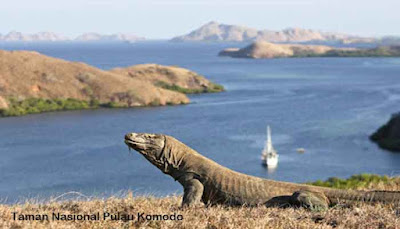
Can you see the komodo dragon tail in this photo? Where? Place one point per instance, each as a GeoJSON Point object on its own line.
{"type": "Point", "coordinates": [336, 196]}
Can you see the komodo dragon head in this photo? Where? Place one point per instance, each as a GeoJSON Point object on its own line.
{"type": "Point", "coordinates": [163, 151]}
{"type": "Point", "coordinates": [151, 146]}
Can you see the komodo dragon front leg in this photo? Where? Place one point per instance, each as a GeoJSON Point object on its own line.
{"type": "Point", "coordinates": [192, 191]}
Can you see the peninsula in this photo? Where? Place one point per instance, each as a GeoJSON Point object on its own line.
{"type": "Point", "coordinates": [33, 83]}
{"type": "Point", "coordinates": [263, 49]}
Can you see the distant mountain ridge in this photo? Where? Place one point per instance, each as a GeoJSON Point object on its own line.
{"type": "Point", "coordinates": [214, 31]}
{"type": "Point", "coordinates": [41, 36]}
{"type": "Point", "coordinates": [111, 37]}
{"type": "Point", "coordinates": [50, 36]}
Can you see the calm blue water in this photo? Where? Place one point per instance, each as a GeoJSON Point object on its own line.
{"type": "Point", "coordinates": [328, 106]}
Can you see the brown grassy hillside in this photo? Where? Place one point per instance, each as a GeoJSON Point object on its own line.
{"type": "Point", "coordinates": [29, 74]}
{"type": "Point", "coordinates": [360, 215]}
{"type": "Point", "coordinates": [170, 76]}
{"type": "Point", "coordinates": [357, 216]}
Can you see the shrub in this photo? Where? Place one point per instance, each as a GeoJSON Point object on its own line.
{"type": "Point", "coordinates": [212, 89]}
{"type": "Point", "coordinates": [39, 105]}
{"type": "Point", "coordinates": [354, 182]}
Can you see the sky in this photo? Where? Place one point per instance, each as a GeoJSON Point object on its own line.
{"type": "Point", "coordinates": [160, 19]}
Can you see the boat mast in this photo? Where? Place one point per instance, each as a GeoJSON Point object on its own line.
{"type": "Point", "coordinates": [269, 141]}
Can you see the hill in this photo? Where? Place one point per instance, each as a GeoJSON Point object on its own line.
{"type": "Point", "coordinates": [214, 31]}
{"type": "Point", "coordinates": [32, 83]}
{"type": "Point", "coordinates": [152, 212]}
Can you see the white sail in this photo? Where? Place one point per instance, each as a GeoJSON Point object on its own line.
{"type": "Point", "coordinates": [269, 155]}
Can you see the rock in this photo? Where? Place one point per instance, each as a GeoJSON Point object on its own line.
{"type": "Point", "coordinates": [388, 136]}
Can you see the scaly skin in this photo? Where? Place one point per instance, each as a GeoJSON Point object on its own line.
{"type": "Point", "coordinates": [206, 182]}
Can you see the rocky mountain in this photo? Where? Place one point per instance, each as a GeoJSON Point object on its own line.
{"type": "Point", "coordinates": [214, 31]}
{"type": "Point", "coordinates": [111, 37]}
{"type": "Point", "coordinates": [26, 75]}
{"type": "Point", "coordinates": [41, 36]}
{"type": "Point", "coordinates": [388, 136]}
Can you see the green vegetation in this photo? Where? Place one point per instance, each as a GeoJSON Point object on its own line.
{"type": "Point", "coordinates": [382, 51]}
{"type": "Point", "coordinates": [212, 89]}
{"type": "Point", "coordinates": [39, 105]}
{"type": "Point", "coordinates": [357, 181]}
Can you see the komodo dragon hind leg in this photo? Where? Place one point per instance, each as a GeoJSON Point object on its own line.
{"type": "Point", "coordinates": [192, 192]}
{"type": "Point", "coordinates": [314, 201]}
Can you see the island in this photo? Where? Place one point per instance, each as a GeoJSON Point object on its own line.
{"type": "Point", "coordinates": [263, 49]}
{"type": "Point", "coordinates": [388, 135]}
{"type": "Point", "coordinates": [33, 83]}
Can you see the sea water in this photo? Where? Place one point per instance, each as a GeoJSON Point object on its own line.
{"type": "Point", "coordinates": [328, 106]}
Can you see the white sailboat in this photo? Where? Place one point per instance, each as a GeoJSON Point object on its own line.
{"type": "Point", "coordinates": [269, 155]}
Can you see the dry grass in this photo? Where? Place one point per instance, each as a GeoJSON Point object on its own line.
{"type": "Point", "coordinates": [360, 215]}
{"type": "Point", "coordinates": [357, 216]}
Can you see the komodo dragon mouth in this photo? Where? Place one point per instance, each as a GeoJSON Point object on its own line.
{"type": "Point", "coordinates": [134, 142]}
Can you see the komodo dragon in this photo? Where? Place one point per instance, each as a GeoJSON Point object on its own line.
{"type": "Point", "coordinates": [206, 182]}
